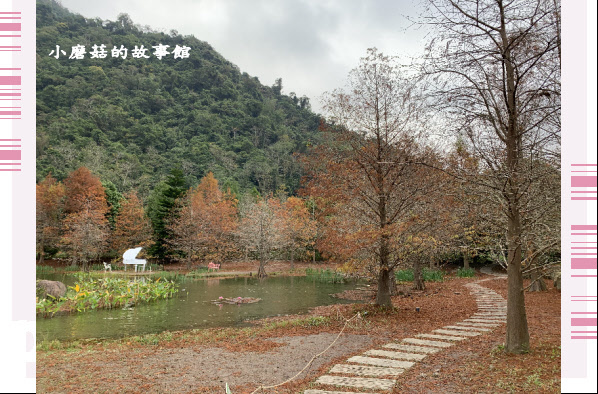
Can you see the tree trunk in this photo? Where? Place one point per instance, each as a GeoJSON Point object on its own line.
{"type": "Point", "coordinates": [538, 283]}
{"type": "Point", "coordinates": [392, 283]}
{"type": "Point", "coordinates": [418, 278]}
{"type": "Point", "coordinates": [41, 256]}
{"type": "Point", "coordinates": [517, 340]}
{"type": "Point", "coordinates": [383, 293]}
{"type": "Point", "coordinates": [261, 271]}
{"type": "Point", "coordinates": [466, 260]}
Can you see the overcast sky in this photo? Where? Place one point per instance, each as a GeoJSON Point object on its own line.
{"type": "Point", "coordinates": [310, 44]}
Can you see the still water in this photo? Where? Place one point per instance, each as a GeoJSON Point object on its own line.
{"type": "Point", "coordinates": [192, 308]}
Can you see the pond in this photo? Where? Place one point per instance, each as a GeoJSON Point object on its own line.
{"type": "Point", "coordinates": [191, 307]}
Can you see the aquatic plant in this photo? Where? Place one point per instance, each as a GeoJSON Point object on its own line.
{"type": "Point", "coordinates": [91, 293]}
{"type": "Point", "coordinates": [325, 275]}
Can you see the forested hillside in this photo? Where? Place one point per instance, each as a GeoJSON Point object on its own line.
{"type": "Point", "coordinates": [130, 121]}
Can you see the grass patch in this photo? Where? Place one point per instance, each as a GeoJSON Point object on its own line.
{"type": "Point", "coordinates": [325, 275]}
{"type": "Point", "coordinates": [199, 271]}
{"type": "Point", "coordinates": [44, 269]}
{"type": "Point", "coordinates": [310, 321]}
{"type": "Point", "coordinates": [465, 272]}
{"type": "Point", "coordinates": [428, 274]}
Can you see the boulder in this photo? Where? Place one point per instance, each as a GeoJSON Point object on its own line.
{"type": "Point", "coordinates": [45, 288]}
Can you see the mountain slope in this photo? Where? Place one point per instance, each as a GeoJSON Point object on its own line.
{"type": "Point", "coordinates": [132, 120]}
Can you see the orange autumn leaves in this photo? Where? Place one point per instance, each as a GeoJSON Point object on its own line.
{"type": "Point", "coordinates": [72, 216]}
{"type": "Point", "coordinates": [205, 223]}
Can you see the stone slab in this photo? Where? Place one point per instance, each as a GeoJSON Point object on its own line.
{"type": "Point", "coordinates": [412, 348]}
{"type": "Point", "coordinates": [466, 328]}
{"type": "Point", "coordinates": [457, 333]}
{"type": "Point", "coordinates": [469, 324]}
{"type": "Point", "coordinates": [380, 362]}
{"type": "Point", "coordinates": [441, 337]}
{"type": "Point", "coordinates": [426, 342]}
{"type": "Point", "coordinates": [489, 316]}
{"type": "Point", "coordinates": [365, 371]}
{"type": "Point", "coordinates": [499, 313]}
{"type": "Point", "coordinates": [331, 392]}
{"type": "Point", "coordinates": [366, 383]}
{"type": "Point", "coordinates": [399, 355]}
{"type": "Point", "coordinates": [485, 320]}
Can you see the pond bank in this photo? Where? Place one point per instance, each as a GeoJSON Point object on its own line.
{"type": "Point", "coordinates": [221, 349]}
{"type": "Point", "coordinates": [194, 306]}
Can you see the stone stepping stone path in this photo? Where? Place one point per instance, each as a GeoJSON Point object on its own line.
{"type": "Point", "coordinates": [443, 337]}
{"type": "Point", "coordinates": [427, 342]}
{"type": "Point", "coordinates": [377, 369]}
{"type": "Point", "coordinates": [460, 333]}
{"type": "Point", "coordinates": [365, 371]}
{"type": "Point", "coordinates": [399, 355]}
{"type": "Point", "coordinates": [412, 348]}
{"type": "Point", "coordinates": [468, 328]}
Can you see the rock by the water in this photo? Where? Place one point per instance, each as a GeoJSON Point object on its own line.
{"type": "Point", "coordinates": [53, 288]}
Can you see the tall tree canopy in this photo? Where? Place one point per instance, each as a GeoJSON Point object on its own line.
{"type": "Point", "coordinates": [367, 173]}
{"type": "Point", "coordinates": [494, 68]}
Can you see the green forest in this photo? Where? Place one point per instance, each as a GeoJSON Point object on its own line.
{"type": "Point", "coordinates": [131, 121]}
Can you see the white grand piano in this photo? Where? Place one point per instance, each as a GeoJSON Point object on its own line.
{"type": "Point", "coordinates": [129, 258]}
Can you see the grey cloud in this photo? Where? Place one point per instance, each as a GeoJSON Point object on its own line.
{"type": "Point", "coordinates": [310, 44]}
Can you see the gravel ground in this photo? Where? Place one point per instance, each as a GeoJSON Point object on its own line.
{"type": "Point", "coordinates": [201, 370]}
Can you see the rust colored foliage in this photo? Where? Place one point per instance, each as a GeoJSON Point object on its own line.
{"type": "Point", "coordinates": [206, 220]}
{"type": "Point", "coordinates": [368, 177]}
{"type": "Point", "coordinates": [49, 204]}
{"type": "Point", "coordinates": [85, 226]}
{"type": "Point", "coordinates": [132, 227]}
{"type": "Point", "coordinates": [300, 227]}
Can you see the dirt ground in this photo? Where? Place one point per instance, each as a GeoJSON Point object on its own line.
{"type": "Point", "coordinates": [203, 361]}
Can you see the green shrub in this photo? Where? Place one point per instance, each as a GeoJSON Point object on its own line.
{"type": "Point", "coordinates": [429, 275]}
{"type": "Point", "coordinates": [433, 275]}
{"type": "Point", "coordinates": [404, 275]}
{"type": "Point", "coordinates": [465, 272]}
